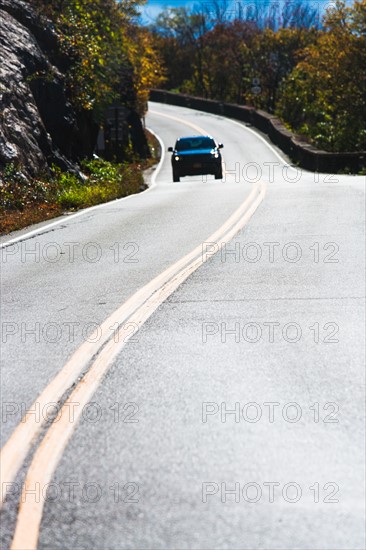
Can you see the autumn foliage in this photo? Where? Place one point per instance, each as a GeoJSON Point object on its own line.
{"type": "Point", "coordinates": [324, 97]}
{"type": "Point", "coordinates": [110, 57]}
{"type": "Point", "coordinates": [310, 72]}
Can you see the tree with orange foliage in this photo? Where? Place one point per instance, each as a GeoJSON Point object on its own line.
{"type": "Point", "coordinates": [324, 97]}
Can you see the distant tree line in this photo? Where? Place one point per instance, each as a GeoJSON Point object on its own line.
{"type": "Point", "coordinates": [307, 68]}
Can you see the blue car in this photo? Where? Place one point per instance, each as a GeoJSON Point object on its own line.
{"type": "Point", "coordinates": [196, 155]}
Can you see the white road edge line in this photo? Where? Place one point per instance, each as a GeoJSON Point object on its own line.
{"type": "Point", "coordinates": [284, 161]}
{"type": "Point", "coordinates": [161, 161]}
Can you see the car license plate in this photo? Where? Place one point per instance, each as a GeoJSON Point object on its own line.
{"type": "Point", "coordinates": [197, 165]}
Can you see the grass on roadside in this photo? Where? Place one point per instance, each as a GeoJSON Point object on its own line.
{"type": "Point", "coordinates": [103, 182]}
{"type": "Point", "coordinates": [24, 202]}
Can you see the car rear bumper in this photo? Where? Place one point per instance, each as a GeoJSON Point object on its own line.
{"type": "Point", "coordinates": [196, 168]}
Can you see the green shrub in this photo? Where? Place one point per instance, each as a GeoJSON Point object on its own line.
{"type": "Point", "coordinates": [104, 181]}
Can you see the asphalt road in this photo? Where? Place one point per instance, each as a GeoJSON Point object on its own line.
{"type": "Point", "coordinates": [235, 416]}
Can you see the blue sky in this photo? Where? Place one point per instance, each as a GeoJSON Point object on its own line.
{"type": "Point", "coordinates": [153, 7]}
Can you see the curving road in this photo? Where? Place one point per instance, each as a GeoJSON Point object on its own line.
{"type": "Point", "coordinates": [228, 411]}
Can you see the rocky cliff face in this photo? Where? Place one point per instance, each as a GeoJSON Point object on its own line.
{"type": "Point", "coordinates": [38, 125]}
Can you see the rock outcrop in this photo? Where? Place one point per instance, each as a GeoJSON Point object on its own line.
{"type": "Point", "coordinates": [38, 125]}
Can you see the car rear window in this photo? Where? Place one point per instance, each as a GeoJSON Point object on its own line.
{"type": "Point", "coordinates": [195, 143]}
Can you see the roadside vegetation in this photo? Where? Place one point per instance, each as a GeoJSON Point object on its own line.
{"type": "Point", "coordinates": [307, 68]}
{"type": "Point", "coordinates": [25, 201]}
{"type": "Point", "coordinates": [105, 58]}
{"type": "Point", "coordinates": [108, 57]}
